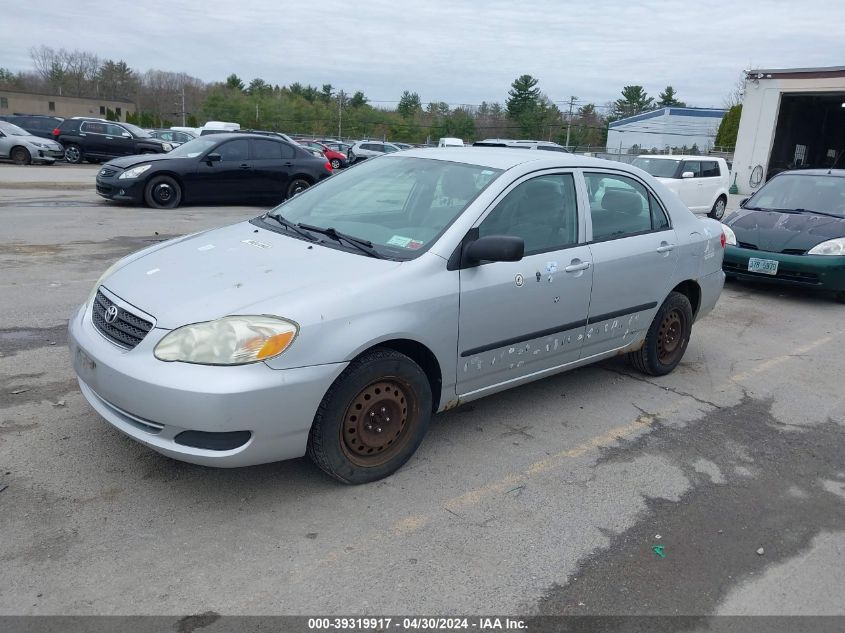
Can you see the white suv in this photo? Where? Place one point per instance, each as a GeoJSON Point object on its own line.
{"type": "Point", "coordinates": [701, 182]}
{"type": "Point", "coordinates": [368, 149]}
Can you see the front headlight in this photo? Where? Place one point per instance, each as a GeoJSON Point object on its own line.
{"type": "Point", "coordinates": [835, 246]}
{"type": "Point", "coordinates": [41, 145]}
{"type": "Point", "coordinates": [232, 340]}
{"type": "Point", "coordinates": [134, 172]}
{"type": "Point", "coordinates": [730, 236]}
{"type": "Point", "coordinates": [167, 147]}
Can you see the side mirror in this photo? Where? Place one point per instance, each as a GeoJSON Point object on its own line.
{"type": "Point", "coordinates": [687, 174]}
{"type": "Point", "coordinates": [213, 158]}
{"type": "Point", "coordinates": [742, 203]}
{"type": "Point", "coordinates": [126, 135]}
{"type": "Point", "coordinates": [495, 248]}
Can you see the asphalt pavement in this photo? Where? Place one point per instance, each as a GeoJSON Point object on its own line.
{"type": "Point", "coordinates": [717, 489]}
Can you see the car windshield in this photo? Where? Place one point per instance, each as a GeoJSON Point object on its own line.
{"type": "Point", "coordinates": [136, 130]}
{"type": "Point", "coordinates": [12, 130]}
{"type": "Point", "coordinates": [400, 205]}
{"type": "Point", "coordinates": [658, 167]}
{"type": "Point", "coordinates": [822, 193]}
{"type": "Point", "coordinates": [194, 147]}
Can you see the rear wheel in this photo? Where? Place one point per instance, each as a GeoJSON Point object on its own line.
{"type": "Point", "coordinates": [73, 154]}
{"type": "Point", "coordinates": [718, 210]}
{"type": "Point", "coordinates": [667, 337]}
{"type": "Point", "coordinates": [163, 192]}
{"type": "Point", "coordinates": [335, 163]}
{"type": "Point", "coordinates": [372, 419]}
{"type": "Point", "coordinates": [20, 156]}
{"type": "Point", "coordinates": [297, 185]}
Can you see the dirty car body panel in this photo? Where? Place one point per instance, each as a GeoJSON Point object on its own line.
{"type": "Point", "coordinates": [574, 297]}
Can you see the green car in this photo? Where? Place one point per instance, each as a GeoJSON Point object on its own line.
{"type": "Point", "coordinates": [792, 232]}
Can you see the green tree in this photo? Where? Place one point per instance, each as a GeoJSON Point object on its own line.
{"type": "Point", "coordinates": [669, 98]}
{"type": "Point", "coordinates": [523, 98]}
{"type": "Point", "coordinates": [634, 100]}
{"type": "Point", "coordinates": [729, 127]}
{"type": "Point", "coordinates": [409, 104]}
{"type": "Point", "coordinates": [235, 82]}
{"type": "Point", "coordinates": [258, 87]}
{"type": "Point", "coordinates": [327, 93]}
{"type": "Point", "coordinates": [358, 100]}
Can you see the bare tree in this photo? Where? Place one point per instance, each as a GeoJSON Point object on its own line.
{"type": "Point", "coordinates": [734, 97]}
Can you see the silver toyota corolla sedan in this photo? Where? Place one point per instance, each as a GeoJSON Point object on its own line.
{"type": "Point", "coordinates": [338, 323]}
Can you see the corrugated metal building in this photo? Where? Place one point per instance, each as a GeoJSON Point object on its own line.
{"type": "Point", "coordinates": [666, 128]}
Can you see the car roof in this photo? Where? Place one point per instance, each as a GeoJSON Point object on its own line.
{"type": "Point", "coordinates": [507, 157]}
{"type": "Point", "coordinates": [680, 157]}
{"type": "Point", "coordinates": [837, 173]}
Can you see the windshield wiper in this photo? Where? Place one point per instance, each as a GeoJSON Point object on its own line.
{"type": "Point", "coordinates": [772, 210]}
{"type": "Point", "coordinates": [365, 246]}
{"type": "Point", "coordinates": [291, 226]}
{"type": "Point", "coordinates": [830, 215]}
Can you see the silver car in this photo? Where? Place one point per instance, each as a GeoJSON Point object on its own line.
{"type": "Point", "coordinates": [338, 323]}
{"type": "Point", "coordinates": [23, 148]}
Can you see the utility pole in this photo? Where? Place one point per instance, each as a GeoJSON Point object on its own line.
{"type": "Point", "coordinates": [183, 105]}
{"type": "Point", "coordinates": [572, 101]}
{"type": "Point", "coordinates": [339, 115]}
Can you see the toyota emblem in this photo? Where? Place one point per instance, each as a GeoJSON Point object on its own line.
{"type": "Point", "coordinates": [111, 314]}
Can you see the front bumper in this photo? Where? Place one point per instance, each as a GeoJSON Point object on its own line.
{"type": "Point", "coordinates": [127, 190]}
{"type": "Point", "coordinates": [153, 401]}
{"type": "Point", "coordinates": [823, 272]}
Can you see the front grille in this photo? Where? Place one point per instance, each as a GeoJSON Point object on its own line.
{"type": "Point", "coordinates": [103, 189]}
{"type": "Point", "coordinates": [127, 329]}
{"type": "Point", "coordinates": [794, 251]}
{"type": "Point", "coordinates": [107, 172]}
{"type": "Point", "coordinates": [783, 274]}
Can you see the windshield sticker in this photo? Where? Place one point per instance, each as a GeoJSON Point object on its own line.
{"type": "Point", "coordinates": [398, 240]}
{"type": "Point", "coordinates": [415, 244]}
{"type": "Point", "coordinates": [255, 243]}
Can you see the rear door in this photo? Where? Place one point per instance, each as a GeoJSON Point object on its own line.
{"type": "Point", "coordinates": [711, 183]}
{"type": "Point", "coordinates": [634, 252]}
{"type": "Point", "coordinates": [92, 138]}
{"type": "Point", "coordinates": [526, 317]}
{"type": "Point", "coordinates": [692, 189]}
{"type": "Point", "coordinates": [272, 162]}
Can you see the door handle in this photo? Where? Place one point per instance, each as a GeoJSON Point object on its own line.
{"type": "Point", "coordinates": [288, 164]}
{"type": "Point", "coordinates": [665, 248]}
{"type": "Point", "coordinates": [244, 166]}
{"type": "Point", "coordinates": [577, 265]}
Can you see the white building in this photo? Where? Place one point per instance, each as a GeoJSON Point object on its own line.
{"type": "Point", "coordinates": [791, 118]}
{"type": "Point", "coordinates": [666, 128]}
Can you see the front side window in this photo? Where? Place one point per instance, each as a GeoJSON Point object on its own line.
{"type": "Point", "coordinates": [620, 206]}
{"type": "Point", "coordinates": [237, 150]}
{"type": "Point", "coordinates": [400, 205]}
{"type": "Point", "coordinates": [115, 130]}
{"type": "Point", "coordinates": [694, 166]}
{"type": "Point", "coordinates": [542, 211]}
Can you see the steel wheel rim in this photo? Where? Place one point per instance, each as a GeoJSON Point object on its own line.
{"type": "Point", "coordinates": [377, 423]}
{"type": "Point", "coordinates": [163, 193]}
{"type": "Point", "coordinates": [298, 187]}
{"type": "Point", "coordinates": [670, 337]}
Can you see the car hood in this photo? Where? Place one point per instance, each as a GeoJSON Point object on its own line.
{"type": "Point", "coordinates": [237, 269]}
{"type": "Point", "coordinates": [122, 162]}
{"type": "Point", "coordinates": [777, 232]}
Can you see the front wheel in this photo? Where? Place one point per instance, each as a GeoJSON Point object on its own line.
{"type": "Point", "coordinates": [163, 192]}
{"type": "Point", "coordinates": [372, 418]}
{"type": "Point", "coordinates": [298, 185]}
{"type": "Point", "coordinates": [20, 156]}
{"type": "Point", "coordinates": [667, 337]}
{"type": "Point", "coordinates": [73, 154]}
{"type": "Point", "coordinates": [718, 210]}
{"type": "Point", "coordinates": [335, 163]}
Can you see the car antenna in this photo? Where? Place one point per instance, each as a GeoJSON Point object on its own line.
{"type": "Point", "coordinates": [835, 162]}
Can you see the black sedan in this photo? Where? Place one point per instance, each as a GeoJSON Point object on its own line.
{"type": "Point", "coordinates": [792, 231]}
{"type": "Point", "coordinates": [223, 168]}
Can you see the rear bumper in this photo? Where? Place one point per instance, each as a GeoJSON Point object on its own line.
{"type": "Point", "coordinates": [807, 271]}
{"type": "Point", "coordinates": [711, 288]}
{"type": "Point", "coordinates": [154, 402]}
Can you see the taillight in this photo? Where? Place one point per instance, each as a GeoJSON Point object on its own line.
{"type": "Point", "coordinates": [328, 166]}
{"type": "Point", "coordinates": [722, 239]}
{"type": "Point", "coordinates": [55, 131]}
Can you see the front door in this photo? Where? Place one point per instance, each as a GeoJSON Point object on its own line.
{"type": "Point", "coordinates": [526, 317]}
{"type": "Point", "coordinates": [634, 253]}
{"type": "Point", "coordinates": [230, 178]}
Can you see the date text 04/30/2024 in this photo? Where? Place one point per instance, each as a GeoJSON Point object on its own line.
{"type": "Point", "coordinates": [417, 623]}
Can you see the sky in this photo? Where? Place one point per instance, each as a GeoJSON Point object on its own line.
{"type": "Point", "coordinates": [457, 51]}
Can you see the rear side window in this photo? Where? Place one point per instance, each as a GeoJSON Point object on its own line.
{"type": "Point", "coordinates": [265, 150]}
{"type": "Point", "coordinates": [659, 221]}
{"type": "Point", "coordinates": [93, 127]}
{"type": "Point", "coordinates": [710, 169]}
{"type": "Point", "coordinates": [619, 206]}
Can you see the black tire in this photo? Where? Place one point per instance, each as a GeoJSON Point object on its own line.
{"type": "Point", "coordinates": [73, 154]}
{"type": "Point", "coordinates": [353, 438]}
{"type": "Point", "coordinates": [162, 192]}
{"type": "Point", "coordinates": [718, 210]}
{"type": "Point", "coordinates": [20, 156]}
{"type": "Point", "coordinates": [297, 185]}
{"type": "Point", "coordinates": [667, 338]}
{"type": "Point", "coordinates": [335, 162]}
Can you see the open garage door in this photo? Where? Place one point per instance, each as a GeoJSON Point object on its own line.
{"type": "Point", "coordinates": [810, 132]}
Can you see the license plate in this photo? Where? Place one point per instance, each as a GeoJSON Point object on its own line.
{"type": "Point", "coordinates": [764, 266]}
